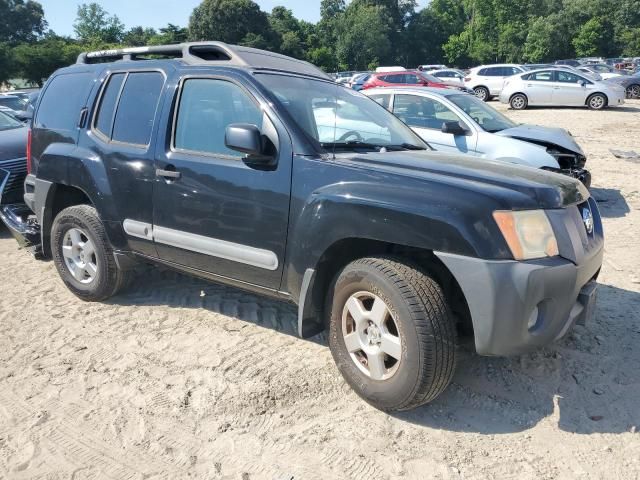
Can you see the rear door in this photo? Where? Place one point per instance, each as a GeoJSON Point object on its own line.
{"type": "Point", "coordinates": [219, 213]}
{"type": "Point", "coordinates": [539, 87]}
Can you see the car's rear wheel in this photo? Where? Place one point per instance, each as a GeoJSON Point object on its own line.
{"type": "Point", "coordinates": [597, 101]}
{"type": "Point", "coordinates": [633, 91]}
{"type": "Point", "coordinates": [391, 333]}
{"type": "Point", "coordinates": [482, 93]}
{"type": "Point", "coordinates": [518, 101]}
{"type": "Point", "coordinates": [83, 255]}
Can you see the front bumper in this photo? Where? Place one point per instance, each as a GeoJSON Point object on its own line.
{"type": "Point", "coordinates": [22, 224]}
{"type": "Point", "coordinates": [519, 306]}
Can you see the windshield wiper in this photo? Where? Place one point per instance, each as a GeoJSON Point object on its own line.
{"type": "Point", "coordinates": [351, 144]}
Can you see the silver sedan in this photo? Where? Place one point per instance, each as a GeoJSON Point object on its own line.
{"type": "Point", "coordinates": [559, 87]}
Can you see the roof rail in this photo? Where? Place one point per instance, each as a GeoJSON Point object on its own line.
{"type": "Point", "coordinates": [207, 53]}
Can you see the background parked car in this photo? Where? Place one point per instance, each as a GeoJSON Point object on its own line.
{"type": "Point", "coordinates": [358, 81]}
{"type": "Point", "coordinates": [571, 62]}
{"type": "Point", "coordinates": [13, 158]}
{"type": "Point", "coordinates": [451, 121]}
{"type": "Point", "coordinates": [408, 77]}
{"type": "Point", "coordinates": [536, 66]}
{"type": "Point", "coordinates": [20, 107]}
{"type": "Point", "coordinates": [601, 75]}
{"type": "Point", "coordinates": [450, 75]}
{"type": "Point", "coordinates": [631, 84]}
{"type": "Point", "coordinates": [429, 68]}
{"type": "Point", "coordinates": [559, 87]}
{"type": "Point", "coordinates": [487, 80]}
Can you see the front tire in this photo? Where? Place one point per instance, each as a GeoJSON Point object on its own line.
{"type": "Point", "coordinates": [597, 101]}
{"type": "Point", "coordinates": [391, 333]}
{"type": "Point", "coordinates": [83, 255]}
{"type": "Point", "coordinates": [482, 93]}
{"type": "Point", "coordinates": [633, 91]}
{"type": "Point", "coordinates": [519, 101]}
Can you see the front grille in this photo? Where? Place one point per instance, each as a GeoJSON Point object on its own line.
{"type": "Point", "coordinates": [17, 172]}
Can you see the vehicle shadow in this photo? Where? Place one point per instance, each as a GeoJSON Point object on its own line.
{"type": "Point", "coordinates": [586, 383]}
{"type": "Point", "coordinates": [4, 231]}
{"type": "Point", "coordinates": [611, 202]}
{"type": "Point", "coordinates": [160, 286]}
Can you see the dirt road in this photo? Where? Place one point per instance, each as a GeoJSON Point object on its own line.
{"type": "Point", "coordinates": [179, 378]}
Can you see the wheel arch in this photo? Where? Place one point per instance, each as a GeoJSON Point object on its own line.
{"type": "Point", "coordinates": [317, 282]}
{"type": "Point", "coordinates": [606, 97]}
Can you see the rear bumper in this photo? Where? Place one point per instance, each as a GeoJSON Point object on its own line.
{"type": "Point", "coordinates": [22, 224]}
{"type": "Point", "coordinates": [519, 306]}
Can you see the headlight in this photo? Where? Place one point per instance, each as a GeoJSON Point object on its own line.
{"type": "Point", "coordinates": [528, 233]}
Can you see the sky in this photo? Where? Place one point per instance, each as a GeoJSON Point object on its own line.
{"type": "Point", "coordinates": [157, 13]}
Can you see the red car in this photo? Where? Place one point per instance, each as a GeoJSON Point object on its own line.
{"type": "Point", "coordinates": [413, 78]}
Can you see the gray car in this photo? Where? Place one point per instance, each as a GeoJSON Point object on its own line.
{"type": "Point", "coordinates": [456, 122]}
{"type": "Point", "coordinates": [631, 84]}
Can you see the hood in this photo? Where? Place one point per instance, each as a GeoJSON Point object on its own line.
{"type": "Point", "coordinates": [545, 135]}
{"type": "Point", "coordinates": [13, 143]}
{"type": "Point", "coordinates": [512, 186]}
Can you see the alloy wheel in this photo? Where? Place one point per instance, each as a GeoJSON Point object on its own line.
{"type": "Point", "coordinates": [371, 335]}
{"type": "Point", "coordinates": [79, 255]}
{"type": "Point", "coordinates": [596, 102]}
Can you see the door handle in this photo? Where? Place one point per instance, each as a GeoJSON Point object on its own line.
{"type": "Point", "coordinates": [172, 174]}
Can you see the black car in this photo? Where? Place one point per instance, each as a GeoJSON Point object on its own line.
{"type": "Point", "coordinates": [231, 164]}
{"type": "Point", "coordinates": [13, 158]}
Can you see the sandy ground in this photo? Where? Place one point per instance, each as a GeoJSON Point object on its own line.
{"type": "Point", "coordinates": [178, 378]}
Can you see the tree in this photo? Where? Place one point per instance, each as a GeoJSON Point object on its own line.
{"type": "Point", "coordinates": [7, 64]}
{"type": "Point", "coordinates": [21, 21]}
{"type": "Point", "coordinates": [169, 35]}
{"type": "Point", "coordinates": [94, 25]}
{"type": "Point", "coordinates": [36, 61]}
{"type": "Point", "coordinates": [138, 36]}
{"type": "Point", "coordinates": [287, 29]}
{"type": "Point", "coordinates": [595, 37]}
{"type": "Point", "coordinates": [232, 21]}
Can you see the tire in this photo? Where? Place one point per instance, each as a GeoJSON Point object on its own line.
{"type": "Point", "coordinates": [482, 93]}
{"type": "Point", "coordinates": [83, 255]}
{"type": "Point", "coordinates": [417, 327]}
{"type": "Point", "coordinates": [597, 101]}
{"type": "Point", "coordinates": [519, 101]}
{"type": "Point", "coordinates": [633, 91]}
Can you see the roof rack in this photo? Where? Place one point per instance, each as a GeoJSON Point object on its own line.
{"type": "Point", "coordinates": [207, 53]}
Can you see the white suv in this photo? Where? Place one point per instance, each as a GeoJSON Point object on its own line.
{"type": "Point", "coordinates": [487, 80]}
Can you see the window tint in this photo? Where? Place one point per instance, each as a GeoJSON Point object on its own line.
{"type": "Point", "coordinates": [546, 76]}
{"type": "Point", "coordinates": [494, 72]}
{"type": "Point", "coordinates": [411, 78]}
{"type": "Point", "coordinates": [381, 99]}
{"type": "Point", "coordinates": [206, 108]}
{"type": "Point", "coordinates": [567, 77]}
{"type": "Point", "coordinates": [399, 78]}
{"type": "Point", "coordinates": [422, 112]}
{"type": "Point", "coordinates": [137, 108]}
{"type": "Point", "coordinates": [62, 101]}
{"type": "Point", "coordinates": [482, 72]}
{"type": "Point", "coordinates": [511, 71]}
{"type": "Point", "coordinates": [104, 119]}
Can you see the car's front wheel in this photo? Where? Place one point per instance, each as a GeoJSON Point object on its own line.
{"type": "Point", "coordinates": [518, 101]}
{"type": "Point", "coordinates": [83, 255]}
{"type": "Point", "coordinates": [391, 333]}
{"type": "Point", "coordinates": [633, 91]}
{"type": "Point", "coordinates": [597, 101]}
{"type": "Point", "coordinates": [482, 93]}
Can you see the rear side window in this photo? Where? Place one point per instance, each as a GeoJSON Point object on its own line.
{"type": "Point", "coordinates": [104, 120]}
{"type": "Point", "coordinates": [62, 101]}
{"type": "Point", "coordinates": [382, 99]}
{"type": "Point", "coordinates": [128, 107]}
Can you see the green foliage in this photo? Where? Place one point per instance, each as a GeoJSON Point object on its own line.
{"type": "Point", "coordinates": [595, 37]}
{"type": "Point", "coordinates": [94, 25]}
{"type": "Point", "coordinates": [35, 61]}
{"type": "Point", "coordinates": [21, 21]}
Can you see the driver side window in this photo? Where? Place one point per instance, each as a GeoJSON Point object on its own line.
{"type": "Point", "coordinates": [422, 112]}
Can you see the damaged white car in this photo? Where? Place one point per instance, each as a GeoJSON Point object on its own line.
{"type": "Point", "coordinates": [453, 121]}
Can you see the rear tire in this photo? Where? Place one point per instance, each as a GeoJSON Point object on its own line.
{"type": "Point", "coordinates": [519, 101]}
{"type": "Point", "coordinates": [482, 93]}
{"type": "Point", "coordinates": [398, 350]}
{"type": "Point", "coordinates": [83, 255]}
{"type": "Point", "coordinates": [597, 101]}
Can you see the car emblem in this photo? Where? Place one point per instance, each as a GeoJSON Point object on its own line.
{"type": "Point", "coordinates": [587, 219]}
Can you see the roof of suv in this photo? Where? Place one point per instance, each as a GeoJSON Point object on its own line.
{"type": "Point", "coordinates": [210, 54]}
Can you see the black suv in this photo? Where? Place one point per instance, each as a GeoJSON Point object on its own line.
{"type": "Point", "coordinates": [255, 169]}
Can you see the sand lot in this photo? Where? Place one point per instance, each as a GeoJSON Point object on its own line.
{"type": "Point", "coordinates": [179, 378]}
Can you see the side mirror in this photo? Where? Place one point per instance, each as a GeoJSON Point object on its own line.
{"type": "Point", "coordinates": [582, 83]}
{"type": "Point", "coordinates": [245, 138]}
{"type": "Point", "coordinates": [453, 128]}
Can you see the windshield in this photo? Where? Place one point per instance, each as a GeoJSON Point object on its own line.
{"type": "Point", "coordinates": [489, 119]}
{"type": "Point", "coordinates": [7, 122]}
{"type": "Point", "coordinates": [14, 103]}
{"type": "Point", "coordinates": [334, 117]}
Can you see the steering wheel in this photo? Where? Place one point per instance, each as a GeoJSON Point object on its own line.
{"type": "Point", "coordinates": [351, 133]}
{"type": "Point", "coordinates": [477, 120]}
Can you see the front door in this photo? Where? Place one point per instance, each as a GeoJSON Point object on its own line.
{"type": "Point", "coordinates": [569, 89]}
{"type": "Point", "coordinates": [213, 210]}
{"type": "Point", "coordinates": [426, 115]}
